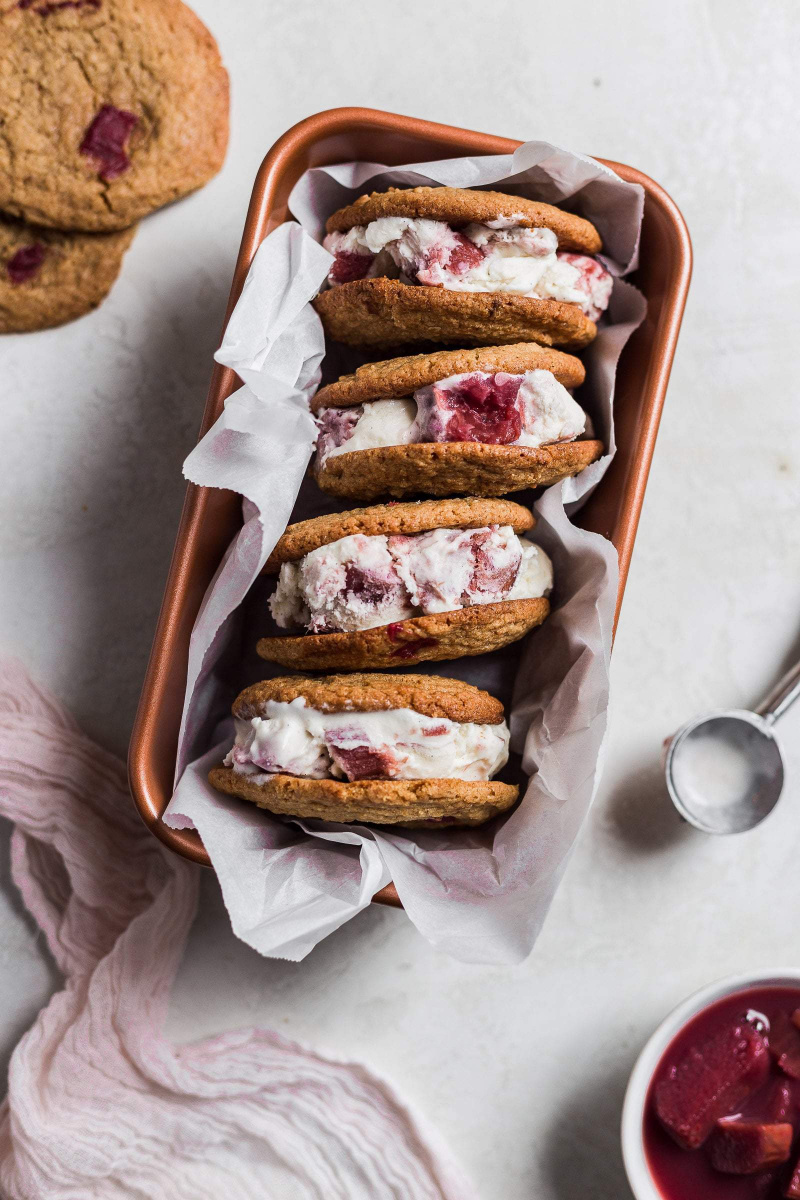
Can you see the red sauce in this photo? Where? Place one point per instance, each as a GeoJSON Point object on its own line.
{"type": "Point", "coordinates": [688, 1174]}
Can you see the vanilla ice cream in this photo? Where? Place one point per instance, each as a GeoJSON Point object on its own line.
{"type": "Point", "coordinates": [294, 739]}
{"type": "Point", "coordinates": [365, 426]}
{"type": "Point", "coordinates": [480, 258]}
{"type": "Point", "coordinates": [531, 409]}
{"type": "Point", "coordinates": [364, 581]}
{"type": "Point", "coordinates": [347, 585]}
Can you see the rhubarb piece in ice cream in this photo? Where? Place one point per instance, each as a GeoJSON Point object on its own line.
{"type": "Point", "coordinates": [384, 423]}
{"type": "Point", "coordinates": [456, 244]}
{"type": "Point", "coordinates": [413, 750]}
{"type": "Point", "coordinates": [406, 585]}
{"type": "Point", "coordinates": [710, 1081]}
{"type": "Point", "coordinates": [742, 1147]}
{"type": "Point", "coordinates": [350, 584]}
{"type": "Point", "coordinates": [380, 444]}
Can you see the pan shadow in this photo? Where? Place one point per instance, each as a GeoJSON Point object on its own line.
{"type": "Point", "coordinates": [640, 813]}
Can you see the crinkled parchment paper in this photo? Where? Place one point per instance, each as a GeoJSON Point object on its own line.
{"type": "Point", "coordinates": [482, 894]}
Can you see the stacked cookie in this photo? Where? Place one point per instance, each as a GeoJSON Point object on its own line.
{"type": "Point", "coordinates": [109, 109]}
{"type": "Point", "coordinates": [501, 281]}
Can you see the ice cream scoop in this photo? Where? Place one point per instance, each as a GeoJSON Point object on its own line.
{"type": "Point", "coordinates": [725, 771]}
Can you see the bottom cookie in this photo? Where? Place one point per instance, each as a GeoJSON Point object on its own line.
{"type": "Point", "coordinates": [452, 468]}
{"type": "Point", "coordinates": [432, 638]}
{"type": "Point", "coordinates": [48, 277]}
{"type": "Point", "coordinates": [413, 803]}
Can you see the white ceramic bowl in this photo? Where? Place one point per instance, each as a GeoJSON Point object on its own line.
{"type": "Point", "coordinates": [636, 1168]}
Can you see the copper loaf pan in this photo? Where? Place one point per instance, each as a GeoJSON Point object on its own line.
{"type": "Point", "coordinates": [212, 517]}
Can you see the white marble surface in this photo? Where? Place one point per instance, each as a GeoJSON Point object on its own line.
{"type": "Point", "coordinates": [522, 1069]}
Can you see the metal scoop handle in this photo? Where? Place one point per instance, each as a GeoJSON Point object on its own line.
{"type": "Point", "coordinates": [782, 696]}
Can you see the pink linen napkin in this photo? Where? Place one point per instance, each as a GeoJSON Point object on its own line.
{"type": "Point", "coordinates": [99, 1103]}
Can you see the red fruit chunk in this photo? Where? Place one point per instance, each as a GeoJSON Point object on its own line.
{"type": "Point", "coordinates": [336, 427]}
{"type": "Point", "coordinates": [487, 576]}
{"type": "Point", "coordinates": [361, 762]}
{"type": "Point", "coordinates": [478, 409]}
{"type": "Point", "coordinates": [710, 1081]}
{"type": "Point", "coordinates": [780, 1106]}
{"type": "Point", "coordinates": [456, 256]}
{"type": "Point", "coordinates": [25, 263]}
{"type": "Point", "coordinates": [350, 265]}
{"type": "Point", "coordinates": [793, 1187]}
{"type": "Point", "coordinates": [369, 586]}
{"type": "Point", "coordinates": [784, 1044]}
{"type": "Point", "coordinates": [464, 255]}
{"type": "Point", "coordinates": [594, 281]}
{"type": "Point", "coordinates": [745, 1147]}
{"type": "Point", "coordinates": [796, 1017]}
{"type": "Point", "coordinates": [409, 648]}
{"type": "Point", "coordinates": [105, 140]}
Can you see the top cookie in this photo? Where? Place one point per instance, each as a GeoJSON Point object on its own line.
{"type": "Point", "coordinates": [460, 206]}
{"type": "Point", "coordinates": [416, 516]}
{"type": "Point", "coordinates": [431, 695]}
{"type": "Point", "coordinates": [396, 377]}
{"type": "Point", "coordinates": [110, 109]}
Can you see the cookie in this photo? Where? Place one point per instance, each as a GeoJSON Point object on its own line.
{"type": "Point", "coordinates": [277, 754]}
{"type": "Point", "coordinates": [413, 803]}
{"type": "Point", "coordinates": [448, 468]}
{"type": "Point", "coordinates": [304, 536]}
{"type": "Point", "coordinates": [383, 312]}
{"type": "Point", "coordinates": [431, 695]}
{"type": "Point", "coordinates": [436, 637]}
{"type": "Point", "coordinates": [110, 109]}
{"type": "Point", "coordinates": [48, 277]}
{"type": "Point", "coordinates": [460, 206]}
{"type": "Point", "coordinates": [397, 377]}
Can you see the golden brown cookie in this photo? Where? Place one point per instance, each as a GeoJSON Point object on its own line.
{"type": "Point", "coordinates": [397, 377]}
{"type": "Point", "coordinates": [447, 468]}
{"type": "Point", "coordinates": [432, 638]}
{"type": "Point", "coordinates": [110, 109]}
{"type": "Point", "coordinates": [416, 517]}
{"type": "Point", "coordinates": [431, 695]}
{"type": "Point", "coordinates": [384, 312]}
{"type": "Point", "coordinates": [460, 206]}
{"type": "Point", "coordinates": [48, 277]}
{"type": "Point", "coordinates": [414, 803]}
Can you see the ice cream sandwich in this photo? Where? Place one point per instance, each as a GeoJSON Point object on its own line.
{"type": "Point", "coordinates": [413, 750]}
{"type": "Point", "coordinates": [484, 422]}
{"type": "Point", "coordinates": [399, 584]}
{"type": "Point", "coordinates": [440, 264]}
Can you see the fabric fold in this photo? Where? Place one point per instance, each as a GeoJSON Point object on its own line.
{"type": "Point", "coordinates": [100, 1105]}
